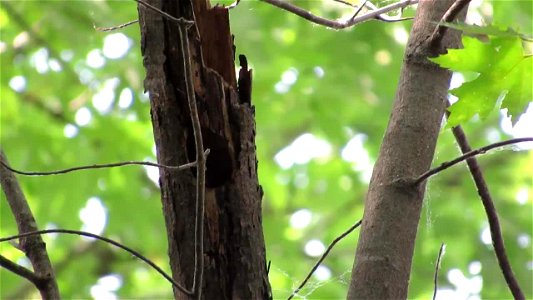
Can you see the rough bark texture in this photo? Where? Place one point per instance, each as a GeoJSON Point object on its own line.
{"type": "Point", "coordinates": [234, 251]}
{"type": "Point", "coordinates": [393, 203]}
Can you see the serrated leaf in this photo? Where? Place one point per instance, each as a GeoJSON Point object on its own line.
{"type": "Point", "coordinates": [472, 58]}
{"type": "Point", "coordinates": [475, 97]}
{"type": "Point", "coordinates": [504, 73]}
{"type": "Point", "coordinates": [519, 84]}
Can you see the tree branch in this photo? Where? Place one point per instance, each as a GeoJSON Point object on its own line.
{"type": "Point", "coordinates": [107, 240]}
{"type": "Point", "coordinates": [33, 247]}
{"type": "Point", "coordinates": [200, 170]}
{"type": "Point", "coordinates": [375, 14]}
{"type": "Point", "coordinates": [437, 267]}
{"type": "Point", "coordinates": [469, 154]}
{"type": "Point", "coordinates": [100, 166]}
{"type": "Point", "coordinates": [490, 210]}
{"type": "Point", "coordinates": [317, 264]}
{"type": "Point", "coordinates": [21, 271]}
{"type": "Point", "coordinates": [112, 28]}
{"type": "Point", "coordinates": [449, 16]}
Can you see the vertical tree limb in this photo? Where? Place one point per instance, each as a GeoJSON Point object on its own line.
{"type": "Point", "coordinates": [393, 203]}
{"type": "Point", "coordinates": [33, 246]}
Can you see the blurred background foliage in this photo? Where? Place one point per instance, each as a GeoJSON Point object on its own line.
{"type": "Point", "coordinates": [72, 95]}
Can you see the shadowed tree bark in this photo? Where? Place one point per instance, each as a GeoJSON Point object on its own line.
{"type": "Point", "coordinates": [234, 250]}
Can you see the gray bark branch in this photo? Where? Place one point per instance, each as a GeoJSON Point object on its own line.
{"type": "Point", "coordinates": [33, 246]}
{"type": "Point", "coordinates": [392, 208]}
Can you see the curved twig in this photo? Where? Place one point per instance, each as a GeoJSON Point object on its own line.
{"type": "Point", "coordinates": [374, 14]}
{"type": "Point", "coordinates": [100, 166]}
{"type": "Point", "coordinates": [317, 264]}
{"type": "Point", "coordinates": [200, 170]}
{"type": "Point", "coordinates": [112, 28]}
{"type": "Point", "coordinates": [437, 267]}
{"type": "Point", "coordinates": [107, 240]}
{"type": "Point", "coordinates": [492, 215]}
{"type": "Point", "coordinates": [469, 155]}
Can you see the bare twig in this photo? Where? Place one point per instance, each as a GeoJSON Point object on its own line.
{"type": "Point", "coordinates": [33, 247]}
{"type": "Point", "coordinates": [101, 166]}
{"type": "Point", "coordinates": [116, 27]}
{"type": "Point", "coordinates": [371, 6]}
{"type": "Point", "coordinates": [437, 267]}
{"type": "Point", "coordinates": [21, 271]}
{"type": "Point", "coordinates": [358, 11]}
{"type": "Point", "coordinates": [375, 14]}
{"type": "Point", "coordinates": [469, 155]}
{"type": "Point", "coordinates": [492, 215]}
{"type": "Point", "coordinates": [200, 170]}
{"type": "Point", "coordinates": [317, 264]}
{"type": "Point", "coordinates": [449, 16]}
{"type": "Point", "coordinates": [107, 240]}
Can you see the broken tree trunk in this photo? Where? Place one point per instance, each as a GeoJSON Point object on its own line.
{"type": "Point", "coordinates": [234, 250]}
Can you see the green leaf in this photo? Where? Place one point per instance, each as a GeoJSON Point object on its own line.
{"type": "Point", "coordinates": [518, 82]}
{"type": "Point", "coordinates": [473, 57]}
{"type": "Point", "coordinates": [504, 73]}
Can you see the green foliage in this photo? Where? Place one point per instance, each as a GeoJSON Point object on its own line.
{"type": "Point", "coordinates": [342, 94]}
{"type": "Point", "coordinates": [503, 72]}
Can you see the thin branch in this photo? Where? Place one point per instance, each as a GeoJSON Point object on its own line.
{"type": "Point", "coordinates": [200, 170]}
{"type": "Point", "coordinates": [107, 240]}
{"type": "Point", "coordinates": [116, 27]}
{"type": "Point", "coordinates": [386, 18]}
{"type": "Point", "coordinates": [375, 14]}
{"type": "Point", "coordinates": [358, 11]}
{"type": "Point", "coordinates": [23, 291]}
{"type": "Point", "coordinates": [492, 215]}
{"type": "Point", "coordinates": [468, 155]}
{"type": "Point", "coordinates": [449, 16]}
{"type": "Point", "coordinates": [345, 3]}
{"type": "Point", "coordinates": [21, 271]}
{"type": "Point", "coordinates": [437, 266]}
{"type": "Point", "coordinates": [317, 264]}
{"type": "Point", "coordinates": [101, 166]}
{"type": "Point", "coordinates": [33, 247]}
{"type": "Point", "coordinates": [371, 6]}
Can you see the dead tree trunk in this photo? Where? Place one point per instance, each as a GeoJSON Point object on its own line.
{"type": "Point", "coordinates": [234, 250]}
{"type": "Point", "coordinates": [393, 203]}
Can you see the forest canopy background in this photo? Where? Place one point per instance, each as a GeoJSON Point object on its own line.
{"type": "Point", "coordinates": [71, 95]}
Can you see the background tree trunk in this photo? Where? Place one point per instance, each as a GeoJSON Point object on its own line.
{"type": "Point", "coordinates": [234, 250]}
{"type": "Point", "coordinates": [393, 203]}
